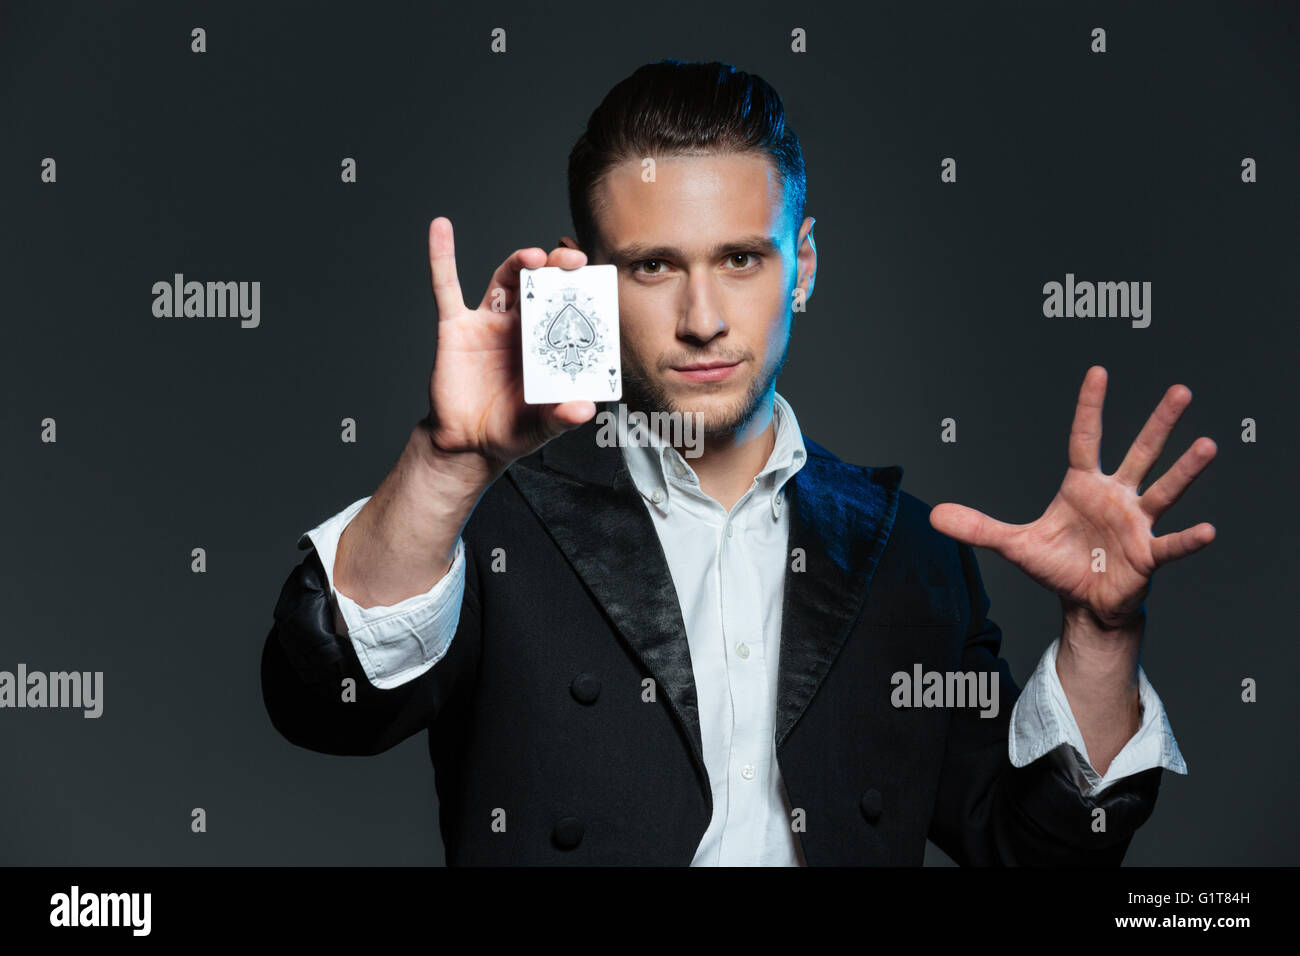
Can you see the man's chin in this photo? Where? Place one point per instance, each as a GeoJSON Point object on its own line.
{"type": "Point", "coordinates": [720, 410]}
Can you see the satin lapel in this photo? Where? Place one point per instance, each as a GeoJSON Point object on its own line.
{"type": "Point", "coordinates": [841, 516]}
{"type": "Point", "coordinates": [584, 496]}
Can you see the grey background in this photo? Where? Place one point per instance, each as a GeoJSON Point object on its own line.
{"type": "Point", "coordinates": [225, 166]}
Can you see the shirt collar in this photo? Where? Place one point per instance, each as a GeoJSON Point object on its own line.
{"type": "Point", "coordinates": [655, 465]}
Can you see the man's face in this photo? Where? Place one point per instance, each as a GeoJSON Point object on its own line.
{"type": "Point", "coordinates": [707, 267]}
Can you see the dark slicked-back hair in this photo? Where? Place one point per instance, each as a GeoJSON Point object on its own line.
{"type": "Point", "coordinates": [670, 107]}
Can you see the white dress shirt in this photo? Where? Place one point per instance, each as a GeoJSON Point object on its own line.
{"type": "Point", "coordinates": [728, 570]}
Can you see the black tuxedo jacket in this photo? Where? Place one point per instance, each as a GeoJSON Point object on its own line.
{"type": "Point", "coordinates": [537, 717]}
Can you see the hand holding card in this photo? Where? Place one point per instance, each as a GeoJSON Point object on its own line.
{"type": "Point", "coordinates": [477, 412]}
{"type": "Point", "coordinates": [569, 331]}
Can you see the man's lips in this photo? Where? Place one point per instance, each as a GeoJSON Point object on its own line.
{"type": "Point", "coordinates": [707, 371]}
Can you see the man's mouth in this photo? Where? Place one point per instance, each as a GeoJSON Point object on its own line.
{"type": "Point", "coordinates": [706, 371]}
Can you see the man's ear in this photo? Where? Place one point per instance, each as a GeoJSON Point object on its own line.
{"type": "Point", "coordinates": [806, 257]}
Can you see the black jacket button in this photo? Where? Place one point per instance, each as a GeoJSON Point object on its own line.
{"type": "Point", "coordinates": [872, 805]}
{"type": "Point", "coordinates": [567, 833]}
{"type": "Point", "coordinates": [585, 688]}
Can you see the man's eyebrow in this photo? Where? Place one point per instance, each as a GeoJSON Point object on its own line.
{"type": "Point", "coordinates": [637, 251]}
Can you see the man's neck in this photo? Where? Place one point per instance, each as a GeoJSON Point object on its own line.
{"type": "Point", "coordinates": [727, 466]}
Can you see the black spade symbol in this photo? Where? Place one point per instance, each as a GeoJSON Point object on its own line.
{"type": "Point", "coordinates": [572, 331]}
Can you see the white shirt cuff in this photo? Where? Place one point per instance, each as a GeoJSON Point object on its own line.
{"type": "Point", "coordinates": [394, 643]}
{"type": "Point", "coordinates": [1042, 721]}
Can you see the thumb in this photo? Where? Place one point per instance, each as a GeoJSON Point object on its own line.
{"type": "Point", "coordinates": [970, 526]}
{"type": "Point", "coordinates": [560, 418]}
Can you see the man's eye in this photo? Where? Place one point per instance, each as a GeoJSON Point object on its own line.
{"type": "Point", "coordinates": [657, 265]}
{"type": "Point", "coordinates": [747, 259]}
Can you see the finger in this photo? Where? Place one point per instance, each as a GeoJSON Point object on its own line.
{"type": "Point", "coordinates": [442, 266]}
{"type": "Point", "coordinates": [503, 289]}
{"type": "Point", "coordinates": [1146, 448]}
{"type": "Point", "coordinates": [559, 418]}
{"type": "Point", "coordinates": [566, 258]}
{"type": "Point", "coordinates": [1085, 432]}
{"type": "Point", "coordinates": [1179, 544]}
{"type": "Point", "coordinates": [573, 413]}
{"type": "Point", "coordinates": [1160, 497]}
{"type": "Point", "coordinates": [970, 526]}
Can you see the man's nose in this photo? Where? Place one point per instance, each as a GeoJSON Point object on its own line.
{"type": "Point", "coordinates": [702, 314]}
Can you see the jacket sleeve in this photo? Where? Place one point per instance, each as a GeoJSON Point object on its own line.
{"type": "Point", "coordinates": [991, 813]}
{"type": "Point", "coordinates": [305, 665]}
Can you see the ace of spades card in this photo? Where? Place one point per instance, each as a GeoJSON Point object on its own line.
{"type": "Point", "coordinates": [569, 324]}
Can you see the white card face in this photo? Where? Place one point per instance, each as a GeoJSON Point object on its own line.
{"type": "Point", "coordinates": [570, 334]}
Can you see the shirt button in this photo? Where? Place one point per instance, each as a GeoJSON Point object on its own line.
{"type": "Point", "coordinates": [747, 771]}
{"type": "Point", "coordinates": [742, 649]}
{"type": "Point", "coordinates": [657, 497]}
{"type": "Point", "coordinates": [778, 497]}
{"type": "Point", "coordinates": [729, 531]}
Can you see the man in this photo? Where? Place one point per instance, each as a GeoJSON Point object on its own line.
{"type": "Point", "coordinates": [625, 656]}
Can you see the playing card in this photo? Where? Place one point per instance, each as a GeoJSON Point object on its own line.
{"type": "Point", "coordinates": [570, 334]}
